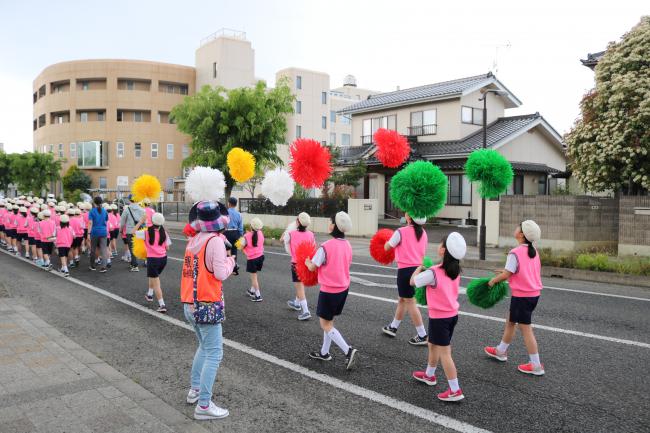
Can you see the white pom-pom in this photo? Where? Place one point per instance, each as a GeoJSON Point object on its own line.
{"type": "Point", "coordinates": [205, 183]}
{"type": "Point", "coordinates": [277, 186]}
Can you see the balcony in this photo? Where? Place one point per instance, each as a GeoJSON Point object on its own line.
{"type": "Point", "coordinates": [366, 139]}
{"type": "Point", "coordinates": [431, 129]}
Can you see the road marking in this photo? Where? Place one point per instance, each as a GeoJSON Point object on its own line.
{"type": "Point", "coordinates": [359, 391]}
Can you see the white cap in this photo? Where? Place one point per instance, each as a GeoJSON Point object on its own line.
{"type": "Point", "coordinates": [419, 221]}
{"type": "Point", "coordinates": [22, 209]}
{"type": "Point", "coordinates": [40, 201]}
{"type": "Point", "coordinates": [304, 219]}
{"type": "Point", "coordinates": [60, 208]}
{"type": "Point", "coordinates": [43, 206]}
{"type": "Point", "coordinates": [343, 221]}
{"type": "Point", "coordinates": [34, 209]}
{"type": "Point", "coordinates": [113, 207]}
{"type": "Point", "coordinates": [64, 219]}
{"type": "Point", "coordinates": [40, 215]}
{"type": "Point", "coordinates": [256, 224]}
{"type": "Point", "coordinates": [456, 245]}
{"type": "Point", "coordinates": [77, 211]}
{"type": "Point", "coordinates": [531, 230]}
{"type": "Point", "coordinates": [146, 200]}
{"type": "Point", "coordinates": [158, 219]}
{"type": "Point", "coordinates": [63, 203]}
{"type": "Point", "coordinates": [47, 213]}
{"type": "Point", "coordinates": [70, 211]}
{"type": "Point", "coordinates": [105, 205]}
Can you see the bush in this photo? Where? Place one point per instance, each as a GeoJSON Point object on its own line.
{"type": "Point", "coordinates": [594, 262]}
{"type": "Point", "coordinates": [596, 259]}
{"type": "Point", "coordinates": [73, 196]}
{"type": "Point", "coordinates": [268, 232]}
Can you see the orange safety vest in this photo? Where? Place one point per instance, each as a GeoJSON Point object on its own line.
{"type": "Point", "coordinates": [208, 287]}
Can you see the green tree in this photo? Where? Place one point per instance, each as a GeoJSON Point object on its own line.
{"type": "Point", "coordinates": [74, 179]}
{"type": "Point", "coordinates": [219, 119]}
{"type": "Point", "coordinates": [6, 170]}
{"type": "Point", "coordinates": [609, 144]}
{"type": "Point", "coordinates": [33, 171]}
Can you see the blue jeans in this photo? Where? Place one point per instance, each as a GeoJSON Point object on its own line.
{"type": "Point", "coordinates": [207, 358]}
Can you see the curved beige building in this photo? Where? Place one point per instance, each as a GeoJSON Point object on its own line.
{"type": "Point", "coordinates": [111, 118]}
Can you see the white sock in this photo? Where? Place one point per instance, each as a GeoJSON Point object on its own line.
{"type": "Point", "coordinates": [534, 359]}
{"type": "Point", "coordinates": [395, 323]}
{"type": "Point", "coordinates": [303, 305]}
{"type": "Point", "coordinates": [65, 269]}
{"type": "Point", "coordinates": [421, 331]}
{"type": "Point", "coordinates": [327, 342]}
{"type": "Point", "coordinates": [337, 338]}
{"type": "Point", "coordinates": [150, 292]}
{"type": "Point", "coordinates": [430, 371]}
{"type": "Point", "coordinates": [257, 292]}
{"type": "Point", "coordinates": [502, 347]}
{"type": "Point", "coordinates": [161, 302]}
{"type": "Point", "coordinates": [296, 301]}
{"type": "Point", "coordinates": [453, 384]}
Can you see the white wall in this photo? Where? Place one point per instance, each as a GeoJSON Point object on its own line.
{"type": "Point", "coordinates": [235, 60]}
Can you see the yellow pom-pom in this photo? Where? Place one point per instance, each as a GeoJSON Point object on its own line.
{"type": "Point", "coordinates": [241, 164]}
{"type": "Point", "coordinates": [139, 249]}
{"type": "Point", "coordinates": [238, 244]}
{"type": "Point", "coordinates": [146, 186]}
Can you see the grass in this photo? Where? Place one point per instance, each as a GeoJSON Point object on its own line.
{"type": "Point", "coordinates": [602, 260]}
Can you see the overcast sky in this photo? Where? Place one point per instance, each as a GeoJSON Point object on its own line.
{"type": "Point", "coordinates": [383, 43]}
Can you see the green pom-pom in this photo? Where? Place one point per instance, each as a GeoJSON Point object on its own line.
{"type": "Point", "coordinates": [491, 170]}
{"type": "Point", "coordinates": [419, 189]}
{"type": "Point", "coordinates": [427, 262]}
{"type": "Point", "coordinates": [421, 295]}
{"type": "Point", "coordinates": [484, 296]}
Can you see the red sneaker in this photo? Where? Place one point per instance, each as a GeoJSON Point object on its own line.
{"type": "Point", "coordinates": [529, 368]}
{"type": "Point", "coordinates": [492, 353]}
{"type": "Point", "coordinates": [422, 377]}
{"type": "Point", "coordinates": [451, 396]}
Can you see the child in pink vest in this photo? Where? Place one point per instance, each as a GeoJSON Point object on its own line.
{"type": "Point", "coordinates": [442, 283]}
{"type": "Point", "coordinates": [32, 232]}
{"type": "Point", "coordinates": [253, 247]}
{"type": "Point", "coordinates": [410, 244]}
{"type": "Point", "coordinates": [156, 243]}
{"type": "Point", "coordinates": [333, 260]}
{"type": "Point", "coordinates": [3, 212]}
{"type": "Point", "coordinates": [523, 272]}
{"type": "Point", "coordinates": [64, 242]}
{"type": "Point", "coordinates": [296, 234]}
{"type": "Point", "coordinates": [47, 228]}
{"type": "Point", "coordinates": [76, 226]}
{"type": "Point", "coordinates": [113, 228]}
{"type": "Point", "coordinates": [21, 231]}
{"type": "Point", "coordinates": [10, 227]}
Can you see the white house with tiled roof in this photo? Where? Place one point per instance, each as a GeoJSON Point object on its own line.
{"type": "Point", "coordinates": [443, 122]}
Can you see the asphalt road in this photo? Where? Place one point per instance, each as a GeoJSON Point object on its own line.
{"type": "Point", "coordinates": [595, 348]}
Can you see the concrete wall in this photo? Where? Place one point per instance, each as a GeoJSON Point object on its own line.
{"type": "Point", "coordinates": [533, 146]}
{"type": "Point", "coordinates": [235, 59]}
{"type": "Point", "coordinates": [634, 226]}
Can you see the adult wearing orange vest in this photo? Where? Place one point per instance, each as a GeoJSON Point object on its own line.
{"type": "Point", "coordinates": [206, 265]}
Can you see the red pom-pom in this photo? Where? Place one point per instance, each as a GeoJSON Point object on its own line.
{"type": "Point", "coordinates": [392, 148]}
{"type": "Point", "coordinates": [310, 164]}
{"type": "Point", "coordinates": [306, 250]}
{"type": "Point", "coordinates": [189, 231]}
{"type": "Point", "coordinates": [377, 250]}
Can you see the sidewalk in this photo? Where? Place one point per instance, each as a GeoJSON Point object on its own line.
{"type": "Point", "coordinates": [48, 383]}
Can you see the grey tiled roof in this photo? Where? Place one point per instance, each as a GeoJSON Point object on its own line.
{"type": "Point", "coordinates": [592, 59]}
{"type": "Point", "coordinates": [531, 167]}
{"type": "Point", "coordinates": [446, 88]}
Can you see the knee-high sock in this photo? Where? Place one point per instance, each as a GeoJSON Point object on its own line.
{"type": "Point", "coordinates": [337, 338]}
{"type": "Point", "coordinates": [327, 342]}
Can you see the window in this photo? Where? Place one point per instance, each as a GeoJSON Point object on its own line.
{"type": "Point", "coordinates": [459, 190]}
{"type": "Point", "coordinates": [73, 151]}
{"type": "Point", "coordinates": [214, 70]}
{"type": "Point", "coordinates": [345, 120]}
{"type": "Point", "coordinates": [298, 107]}
{"type": "Point", "coordinates": [541, 185]}
{"type": "Point", "coordinates": [137, 116]}
{"type": "Point", "coordinates": [367, 133]}
{"type": "Point", "coordinates": [370, 126]}
{"type": "Point", "coordinates": [100, 116]}
{"type": "Point", "coordinates": [298, 131]}
{"type": "Point", "coordinates": [183, 89]}
{"type": "Point", "coordinates": [423, 123]}
{"type": "Point", "coordinates": [50, 148]}
{"type": "Point", "coordinates": [41, 120]}
{"type": "Point", "coordinates": [298, 82]}
{"type": "Point", "coordinates": [85, 85]}
{"type": "Point", "coordinates": [170, 88]}
{"type": "Point", "coordinates": [332, 116]}
{"type": "Point", "coordinates": [517, 187]}
{"type": "Point", "coordinates": [323, 122]}
{"type": "Point", "coordinates": [345, 139]}
{"type": "Point", "coordinates": [138, 150]}
{"type": "Point", "coordinates": [83, 116]}
{"type": "Point", "coordinates": [332, 138]}
{"type": "Point", "coordinates": [323, 97]}
{"type": "Point", "coordinates": [154, 150]}
{"type": "Point", "coordinates": [120, 149]}
{"type": "Point", "coordinates": [102, 183]}
{"type": "Point", "coordinates": [122, 182]}
{"type": "Point", "coordinates": [92, 154]}
{"type": "Point", "coordinates": [170, 151]}
{"type": "Point", "coordinates": [471, 115]}
{"type": "Point", "coordinates": [323, 143]}
{"type": "Point", "coordinates": [119, 115]}
{"type": "Point", "coordinates": [60, 150]}
{"type": "Point", "coordinates": [58, 119]}
{"type": "Point", "coordinates": [186, 151]}
{"type": "Point", "coordinates": [130, 85]}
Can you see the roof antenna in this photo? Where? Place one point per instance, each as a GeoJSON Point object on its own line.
{"type": "Point", "coordinates": [495, 62]}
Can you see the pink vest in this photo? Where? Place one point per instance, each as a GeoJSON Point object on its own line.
{"type": "Point", "coordinates": [334, 275]}
{"type": "Point", "coordinates": [75, 226]}
{"type": "Point", "coordinates": [251, 251]}
{"type": "Point", "coordinates": [442, 300]}
{"type": "Point", "coordinates": [149, 213]}
{"type": "Point", "coordinates": [64, 237]}
{"type": "Point", "coordinates": [410, 251]}
{"type": "Point", "coordinates": [155, 250]}
{"type": "Point", "coordinates": [21, 221]}
{"type": "Point", "coordinates": [47, 228]}
{"type": "Point", "coordinates": [527, 281]}
{"type": "Point", "coordinates": [296, 238]}
{"type": "Point", "coordinates": [10, 221]}
{"type": "Point", "coordinates": [56, 218]}
{"type": "Point", "coordinates": [34, 229]}
{"type": "Point", "coordinates": [84, 216]}
{"type": "Point", "coordinates": [3, 212]}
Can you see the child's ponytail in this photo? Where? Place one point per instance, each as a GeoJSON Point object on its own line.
{"type": "Point", "coordinates": [254, 239]}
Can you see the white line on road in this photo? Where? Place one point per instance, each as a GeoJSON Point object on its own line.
{"type": "Point", "coordinates": [359, 391]}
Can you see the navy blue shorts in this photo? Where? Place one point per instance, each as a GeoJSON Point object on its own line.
{"type": "Point", "coordinates": [76, 242]}
{"type": "Point", "coordinates": [115, 233]}
{"type": "Point", "coordinates": [255, 265]}
{"type": "Point", "coordinates": [521, 309]}
{"type": "Point", "coordinates": [441, 330]}
{"type": "Point", "coordinates": [155, 266]}
{"type": "Point", "coordinates": [47, 247]}
{"type": "Point", "coordinates": [404, 287]}
{"type": "Point", "coordinates": [63, 251]}
{"type": "Point", "coordinates": [331, 304]}
{"type": "Point", "coordinates": [31, 241]}
{"type": "Point", "coordinates": [2, 229]}
{"type": "Point", "coordinates": [21, 236]}
{"type": "Point", "coordinates": [11, 233]}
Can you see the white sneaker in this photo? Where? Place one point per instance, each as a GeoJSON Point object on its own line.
{"type": "Point", "coordinates": [192, 396]}
{"type": "Point", "coordinates": [212, 412]}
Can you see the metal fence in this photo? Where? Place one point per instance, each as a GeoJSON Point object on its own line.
{"type": "Point", "coordinates": [315, 207]}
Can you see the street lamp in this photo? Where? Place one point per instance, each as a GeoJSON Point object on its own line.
{"type": "Point", "coordinates": [483, 98]}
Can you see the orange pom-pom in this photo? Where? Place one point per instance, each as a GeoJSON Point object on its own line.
{"type": "Point", "coordinates": [377, 250]}
{"type": "Point", "coordinates": [310, 164]}
{"type": "Point", "coordinates": [392, 148]}
{"type": "Point", "coordinates": [306, 250]}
